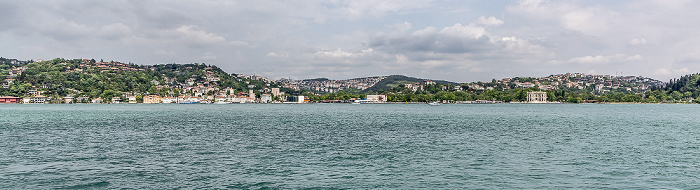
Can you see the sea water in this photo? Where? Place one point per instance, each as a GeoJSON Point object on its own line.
{"type": "Point", "coordinates": [345, 146]}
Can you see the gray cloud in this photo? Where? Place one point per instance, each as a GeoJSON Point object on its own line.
{"type": "Point", "coordinates": [450, 40]}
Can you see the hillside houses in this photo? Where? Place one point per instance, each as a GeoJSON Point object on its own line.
{"type": "Point", "coordinates": [580, 81]}
{"type": "Point", "coordinates": [330, 86]}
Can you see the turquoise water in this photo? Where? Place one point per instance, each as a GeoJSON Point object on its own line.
{"type": "Point", "coordinates": [247, 146]}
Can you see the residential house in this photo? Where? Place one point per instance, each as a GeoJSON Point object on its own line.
{"type": "Point", "coordinates": [266, 98]}
{"type": "Point", "coordinates": [27, 100]}
{"type": "Point", "coordinates": [82, 99]}
{"type": "Point", "coordinates": [132, 99]}
{"type": "Point", "coordinates": [526, 85]}
{"type": "Point", "coordinates": [68, 99]}
{"type": "Point", "coordinates": [220, 99]}
{"type": "Point", "coordinates": [39, 99]}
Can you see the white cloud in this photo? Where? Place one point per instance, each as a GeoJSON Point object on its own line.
{"type": "Point", "coordinates": [402, 27]}
{"type": "Point", "coordinates": [116, 30]}
{"type": "Point", "coordinates": [340, 53]}
{"type": "Point", "coordinates": [532, 3]}
{"type": "Point", "coordinates": [431, 38]}
{"type": "Point", "coordinates": [491, 21]}
{"type": "Point", "coordinates": [635, 57]}
{"type": "Point", "coordinates": [427, 31]}
{"type": "Point", "coordinates": [598, 59]}
{"type": "Point", "coordinates": [336, 53]}
{"type": "Point", "coordinates": [401, 59]}
{"type": "Point", "coordinates": [272, 54]}
{"type": "Point", "coordinates": [476, 70]}
{"type": "Point", "coordinates": [209, 56]}
{"type": "Point", "coordinates": [672, 72]}
{"type": "Point", "coordinates": [239, 43]}
{"type": "Point", "coordinates": [638, 41]}
{"type": "Point", "coordinates": [197, 36]}
{"type": "Point", "coordinates": [163, 52]}
{"type": "Point", "coordinates": [459, 31]}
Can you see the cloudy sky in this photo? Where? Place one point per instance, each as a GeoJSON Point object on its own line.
{"type": "Point", "coordinates": [461, 41]}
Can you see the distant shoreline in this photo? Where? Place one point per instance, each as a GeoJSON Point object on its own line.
{"type": "Point", "coordinates": [512, 103]}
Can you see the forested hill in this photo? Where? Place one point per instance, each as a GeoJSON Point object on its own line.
{"type": "Point", "coordinates": [396, 80]}
{"type": "Point", "coordinates": [689, 85]}
{"type": "Point", "coordinates": [83, 77]}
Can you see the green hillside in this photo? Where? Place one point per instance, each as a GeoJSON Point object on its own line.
{"type": "Point", "coordinates": [83, 77]}
{"type": "Point", "coordinates": [396, 80]}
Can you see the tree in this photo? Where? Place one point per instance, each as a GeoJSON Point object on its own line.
{"type": "Point", "coordinates": [676, 95]}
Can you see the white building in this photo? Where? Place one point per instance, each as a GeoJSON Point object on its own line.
{"type": "Point", "coordinates": [536, 97]}
{"type": "Point", "coordinates": [376, 98]}
{"type": "Point", "coordinates": [169, 100]}
{"type": "Point", "coordinates": [132, 99]}
{"type": "Point", "coordinates": [220, 99]}
{"type": "Point", "coordinates": [266, 98]}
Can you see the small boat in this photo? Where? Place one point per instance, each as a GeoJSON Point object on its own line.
{"type": "Point", "coordinates": [434, 103]}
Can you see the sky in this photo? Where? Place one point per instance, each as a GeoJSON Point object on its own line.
{"type": "Point", "coordinates": [455, 40]}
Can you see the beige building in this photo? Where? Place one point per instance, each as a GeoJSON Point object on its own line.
{"type": "Point", "coordinates": [536, 97]}
{"type": "Point", "coordinates": [276, 92]}
{"type": "Point", "coordinates": [151, 99]}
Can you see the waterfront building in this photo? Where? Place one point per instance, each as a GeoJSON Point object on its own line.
{"type": "Point", "coordinates": [68, 99]}
{"type": "Point", "coordinates": [266, 98]}
{"type": "Point", "coordinates": [220, 99]}
{"type": "Point", "coordinates": [295, 99]}
{"type": "Point", "coordinates": [82, 99]}
{"type": "Point", "coordinates": [376, 98]}
{"type": "Point", "coordinates": [116, 100]}
{"type": "Point", "coordinates": [169, 100]}
{"type": "Point", "coordinates": [39, 99]}
{"type": "Point", "coordinates": [536, 97]}
{"type": "Point", "coordinates": [151, 99]}
{"type": "Point", "coordinates": [10, 100]}
{"type": "Point", "coordinates": [132, 99]}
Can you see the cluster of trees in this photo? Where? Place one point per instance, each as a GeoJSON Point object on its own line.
{"type": "Point", "coordinates": [59, 77]}
{"type": "Point", "coordinates": [685, 89]}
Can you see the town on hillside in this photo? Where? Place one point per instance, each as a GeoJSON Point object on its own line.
{"type": "Point", "coordinates": [91, 81]}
